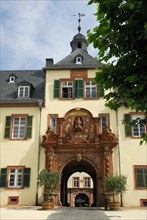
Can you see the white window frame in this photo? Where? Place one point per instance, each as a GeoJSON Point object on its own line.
{"type": "Point", "coordinates": [53, 122]}
{"type": "Point", "coordinates": [78, 60]}
{"type": "Point", "coordinates": [12, 79]}
{"type": "Point", "coordinates": [66, 85]}
{"type": "Point", "coordinates": [138, 129]}
{"type": "Point", "coordinates": [90, 87]}
{"type": "Point", "coordinates": [19, 129]}
{"type": "Point", "coordinates": [87, 182]}
{"type": "Point", "coordinates": [15, 179]}
{"type": "Point", "coordinates": [104, 121]}
{"type": "Point", "coordinates": [76, 182]}
{"type": "Point", "coordinates": [24, 91]}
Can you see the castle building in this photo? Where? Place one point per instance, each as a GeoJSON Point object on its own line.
{"type": "Point", "coordinates": [56, 118]}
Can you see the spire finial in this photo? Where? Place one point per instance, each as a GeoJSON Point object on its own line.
{"type": "Point", "coordinates": [79, 20]}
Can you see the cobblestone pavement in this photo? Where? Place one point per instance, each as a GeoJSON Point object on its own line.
{"type": "Point", "coordinates": [68, 213]}
{"type": "Point", "coordinates": [62, 213]}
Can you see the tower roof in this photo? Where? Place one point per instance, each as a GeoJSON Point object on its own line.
{"type": "Point", "coordinates": [78, 58]}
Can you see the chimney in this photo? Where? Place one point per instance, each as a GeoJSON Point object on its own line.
{"type": "Point", "coordinates": [49, 62]}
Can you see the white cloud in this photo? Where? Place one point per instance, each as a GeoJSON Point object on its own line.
{"type": "Point", "coordinates": [34, 30]}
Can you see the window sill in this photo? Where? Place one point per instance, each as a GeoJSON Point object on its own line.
{"type": "Point", "coordinates": [91, 98]}
{"type": "Point", "coordinates": [18, 139]}
{"type": "Point", "coordinates": [141, 188]}
{"type": "Point", "coordinates": [66, 99]}
{"type": "Point", "coordinates": [135, 137]}
{"type": "Point", "coordinates": [13, 188]}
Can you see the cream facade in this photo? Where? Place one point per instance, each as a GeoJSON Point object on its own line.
{"type": "Point", "coordinates": [67, 94]}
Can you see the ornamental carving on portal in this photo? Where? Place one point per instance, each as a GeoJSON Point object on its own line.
{"type": "Point", "coordinates": [49, 138]}
{"type": "Point", "coordinates": [108, 138]}
{"type": "Point", "coordinates": [78, 127]}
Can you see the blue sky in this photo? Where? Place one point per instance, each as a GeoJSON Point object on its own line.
{"type": "Point", "coordinates": [33, 30]}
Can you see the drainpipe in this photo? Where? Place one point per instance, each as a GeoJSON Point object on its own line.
{"type": "Point", "coordinates": [119, 156]}
{"type": "Point", "coordinates": [40, 102]}
{"type": "Point", "coordinates": [117, 126]}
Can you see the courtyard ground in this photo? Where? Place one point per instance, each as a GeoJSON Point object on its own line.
{"type": "Point", "coordinates": [68, 213]}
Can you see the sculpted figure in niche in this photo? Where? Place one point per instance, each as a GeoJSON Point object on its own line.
{"type": "Point", "coordinates": [78, 124]}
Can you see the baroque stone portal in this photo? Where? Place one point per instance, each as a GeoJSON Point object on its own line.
{"type": "Point", "coordinates": [79, 139]}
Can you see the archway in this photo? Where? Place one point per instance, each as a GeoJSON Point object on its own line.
{"type": "Point", "coordinates": [79, 146]}
{"type": "Point", "coordinates": [78, 166]}
{"type": "Point", "coordinates": [81, 200]}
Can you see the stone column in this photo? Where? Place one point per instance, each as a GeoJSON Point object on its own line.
{"type": "Point", "coordinates": [50, 159]}
{"type": "Point", "coordinates": [107, 163]}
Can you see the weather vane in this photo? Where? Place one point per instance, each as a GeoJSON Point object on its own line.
{"type": "Point", "coordinates": [79, 20]}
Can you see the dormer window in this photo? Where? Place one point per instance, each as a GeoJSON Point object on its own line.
{"type": "Point", "coordinates": [79, 60]}
{"type": "Point", "coordinates": [23, 91]}
{"type": "Point", "coordinates": [12, 79]}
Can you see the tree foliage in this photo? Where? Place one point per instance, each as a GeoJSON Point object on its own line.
{"type": "Point", "coordinates": [115, 184]}
{"type": "Point", "coordinates": [121, 34]}
{"type": "Point", "coordinates": [50, 180]}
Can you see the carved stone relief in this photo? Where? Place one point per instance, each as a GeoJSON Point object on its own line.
{"type": "Point", "coordinates": [78, 127]}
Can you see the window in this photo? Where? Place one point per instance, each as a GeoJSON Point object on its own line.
{"type": "Point", "coordinates": [75, 182]}
{"type": "Point", "coordinates": [13, 200]}
{"type": "Point", "coordinates": [138, 129]}
{"type": "Point", "coordinates": [90, 89]}
{"type": "Point", "coordinates": [104, 121]}
{"type": "Point", "coordinates": [53, 122]}
{"type": "Point", "coordinates": [75, 89]}
{"type": "Point", "coordinates": [12, 79]}
{"type": "Point", "coordinates": [79, 45]}
{"type": "Point", "coordinates": [18, 127]}
{"type": "Point", "coordinates": [143, 202]}
{"type": "Point", "coordinates": [67, 89]}
{"type": "Point", "coordinates": [140, 176]}
{"type": "Point", "coordinates": [87, 182]}
{"type": "Point", "coordinates": [79, 60]}
{"type": "Point", "coordinates": [23, 91]}
{"type": "Point", "coordinates": [15, 177]}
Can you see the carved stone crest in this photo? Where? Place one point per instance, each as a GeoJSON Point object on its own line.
{"type": "Point", "coordinates": [78, 127]}
{"type": "Point", "coordinates": [50, 137]}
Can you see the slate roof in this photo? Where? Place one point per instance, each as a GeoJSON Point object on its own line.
{"type": "Point", "coordinates": [68, 62]}
{"type": "Point", "coordinates": [8, 91]}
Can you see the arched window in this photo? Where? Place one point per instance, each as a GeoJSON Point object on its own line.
{"type": "Point", "coordinates": [12, 79]}
{"type": "Point", "coordinates": [79, 60]}
{"type": "Point", "coordinates": [79, 45]}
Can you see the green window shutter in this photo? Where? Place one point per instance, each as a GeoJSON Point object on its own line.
{"type": "Point", "coordinates": [56, 88]}
{"type": "Point", "coordinates": [127, 120]}
{"type": "Point", "coordinates": [100, 91]}
{"type": "Point", "coordinates": [29, 127]}
{"type": "Point", "coordinates": [7, 127]}
{"type": "Point", "coordinates": [26, 177]}
{"type": "Point", "coordinates": [139, 177]}
{"type": "Point", "coordinates": [3, 177]}
{"type": "Point", "coordinates": [79, 87]}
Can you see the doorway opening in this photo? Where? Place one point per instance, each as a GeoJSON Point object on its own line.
{"type": "Point", "coordinates": [74, 196]}
{"type": "Point", "coordinates": [81, 200]}
{"type": "Point", "coordinates": [80, 183]}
